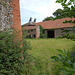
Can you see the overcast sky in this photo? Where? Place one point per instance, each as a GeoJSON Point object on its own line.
{"type": "Point", "coordinates": [38, 9]}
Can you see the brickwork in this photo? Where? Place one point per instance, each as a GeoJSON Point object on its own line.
{"type": "Point", "coordinates": [38, 32]}
{"type": "Point", "coordinates": [57, 32]}
{"type": "Point", "coordinates": [16, 17]}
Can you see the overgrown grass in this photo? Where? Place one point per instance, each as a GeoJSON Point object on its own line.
{"type": "Point", "coordinates": [42, 50]}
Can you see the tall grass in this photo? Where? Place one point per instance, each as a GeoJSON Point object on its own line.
{"type": "Point", "coordinates": [39, 62]}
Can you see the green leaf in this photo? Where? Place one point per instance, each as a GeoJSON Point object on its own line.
{"type": "Point", "coordinates": [65, 1]}
{"type": "Point", "coordinates": [64, 51]}
{"type": "Point", "coordinates": [69, 3]}
{"type": "Point", "coordinates": [72, 0]}
{"type": "Point", "coordinates": [60, 55]}
{"type": "Point", "coordinates": [59, 50]}
{"type": "Point", "coordinates": [54, 57]}
{"type": "Point", "coordinates": [69, 61]}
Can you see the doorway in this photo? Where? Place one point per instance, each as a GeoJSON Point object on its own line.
{"type": "Point", "coordinates": [50, 34]}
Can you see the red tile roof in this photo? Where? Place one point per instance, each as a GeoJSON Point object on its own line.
{"type": "Point", "coordinates": [30, 27]}
{"type": "Point", "coordinates": [56, 23]}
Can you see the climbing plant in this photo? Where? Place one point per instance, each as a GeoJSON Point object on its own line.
{"type": "Point", "coordinates": [42, 32]}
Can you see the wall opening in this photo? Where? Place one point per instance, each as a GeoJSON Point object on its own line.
{"type": "Point", "coordinates": [50, 34]}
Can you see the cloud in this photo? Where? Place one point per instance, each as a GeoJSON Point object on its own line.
{"type": "Point", "coordinates": [37, 9]}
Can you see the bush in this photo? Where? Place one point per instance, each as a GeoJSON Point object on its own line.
{"type": "Point", "coordinates": [67, 60]}
{"type": "Point", "coordinates": [11, 53]}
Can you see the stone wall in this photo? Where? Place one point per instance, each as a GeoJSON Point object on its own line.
{"type": "Point", "coordinates": [57, 32]}
{"type": "Point", "coordinates": [5, 15]}
{"type": "Point", "coordinates": [10, 16]}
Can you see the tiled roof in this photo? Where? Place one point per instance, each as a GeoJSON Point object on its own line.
{"type": "Point", "coordinates": [28, 24]}
{"type": "Point", "coordinates": [56, 23]}
{"type": "Point", "coordinates": [30, 27]}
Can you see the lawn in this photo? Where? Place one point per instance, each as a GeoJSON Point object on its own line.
{"type": "Point", "coordinates": [43, 49]}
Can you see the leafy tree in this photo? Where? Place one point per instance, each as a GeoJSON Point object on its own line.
{"type": "Point", "coordinates": [58, 12]}
{"type": "Point", "coordinates": [48, 18]}
{"type": "Point", "coordinates": [69, 7]}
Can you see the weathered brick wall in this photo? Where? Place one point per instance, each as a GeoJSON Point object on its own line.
{"type": "Point", "coordinates": [16, 17]}
{"type": "Point", "coordinates": [38, 32]}
{"type": "Point", "coordinates": [57, 32]}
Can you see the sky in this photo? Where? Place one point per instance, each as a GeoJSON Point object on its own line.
{"type": "Point", "coordinates": [39, 9]}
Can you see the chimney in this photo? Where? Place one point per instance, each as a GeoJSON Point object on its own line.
{"type": "Point", "coordinates": [34, 20]}
{"type": "Point", "coordinates": [30, 20]}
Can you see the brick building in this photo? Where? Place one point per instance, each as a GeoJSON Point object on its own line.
{"type": "Point", "coordinates": [52, 29]}
{"type": "Point", "coordinates": [33, 30]}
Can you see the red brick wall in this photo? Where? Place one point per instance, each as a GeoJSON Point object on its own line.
{"type": "Point", "coordinates": [16, 17]}
{"type": "Point", "coordinates": [38, 32]}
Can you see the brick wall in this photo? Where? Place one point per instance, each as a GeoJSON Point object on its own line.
{"type": "Point", "coordinates": [57, 32]}
{"type": "Point", "coordinates": [16, 17]}
{"type": "Point", "coordinates": [38, 32]}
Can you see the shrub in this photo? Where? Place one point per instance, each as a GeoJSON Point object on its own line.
{"type": "Point", "coordinates": [67, 60]}
{"type": "Point", "coordinates": [11, 53]}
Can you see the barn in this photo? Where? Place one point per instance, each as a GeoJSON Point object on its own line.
{"type": "Point", "coordinates": [51, 29]}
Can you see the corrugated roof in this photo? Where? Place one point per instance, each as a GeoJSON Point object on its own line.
{"type": "Point", "coordinates": [56, 23]}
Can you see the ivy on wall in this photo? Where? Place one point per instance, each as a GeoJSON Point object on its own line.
{"type": "Point", "coordinates": [42, 32]}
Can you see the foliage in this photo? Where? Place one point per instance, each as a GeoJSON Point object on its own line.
{"type": "Point", "coordinates": [67, 58]}
{"type": "Point", "coordinates": [66, 3]}
{"type": "Point", "coordinates": [69, 7]}
{"type": "Point", "coordinates": [42, 35]}
{"type": "Point", "coordinates": [42, 50]}
{"type": "Point", "coordinates": [58, 13]}
{"type": "Point", "coordinates": [11, 54]}
{"type": "Point", "coordinates": [70, 33]}
{"type": "Point", "coordinates": [48, 18]}
{"type": "Point", "coordinates": [69, 11]}
{"type": "Point", "coordinates": [25, 33]}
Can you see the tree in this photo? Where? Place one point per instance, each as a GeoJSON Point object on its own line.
{"type": "Point", "coordinates": [58, 12]}
{"type": "Point", "coordinates": [69, 7]}
{"type": "Point", "coordinates": [48, 18]}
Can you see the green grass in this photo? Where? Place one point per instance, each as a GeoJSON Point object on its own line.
{"type": "Point", "coordinates": [42, 50]}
